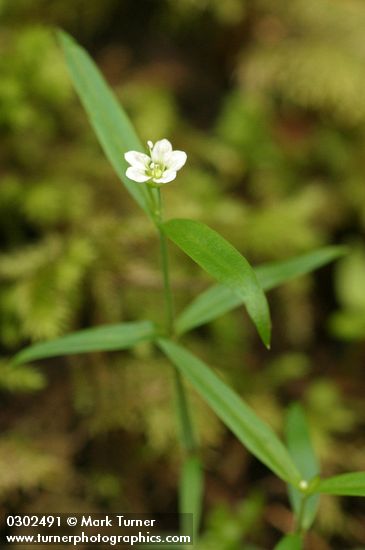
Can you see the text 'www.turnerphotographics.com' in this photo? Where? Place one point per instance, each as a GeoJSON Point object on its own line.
{"type": "Point", "coordinates": [110, 529]}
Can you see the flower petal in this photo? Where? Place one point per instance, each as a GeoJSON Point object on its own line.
{"type": "Point", "coordinates": [176, 160]}
{"type": "Point", "coordinates": [137, 159]}
{"type": "Point", "coordinates": [168, 175]}
{"type": "Point", "coordinates": [136, 174]}
{"type": "Point", "coordinates": [161, 150]}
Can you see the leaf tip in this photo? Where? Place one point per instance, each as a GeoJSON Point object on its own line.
{"type": "Point", "coordinates": [265, 337]}
{"type": "Point", "coordinates": [64, 39]}
{"type": "Point", "coordinates": [61, 35]}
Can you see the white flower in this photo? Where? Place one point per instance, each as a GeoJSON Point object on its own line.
{"type": "Point", "coordinates": [160, 166]}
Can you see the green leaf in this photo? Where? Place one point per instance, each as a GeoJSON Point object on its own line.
{"type": "Point", "coordinates": [103, 338]}
{"type": "Point", "coordinates": [220, 299]}
{"type": "Point", "coordinates": [301, 451]}
{"type": "Point", "coordinates": [257, 436]}
{"type": "Point", "coordinates": [352, 484]}
{"type": "Point", "coordinates": [274, 274]}
{"type": "Point", "coordinates": [209, 305]}
{"type": "Point", "coordinates": [290, 542]}
{"type": "Point", "coordinates": [111, 125]}
{"type": "Point", "coordinates": [221, 260]}
{"type": "Point", "coordinates": [191, 492]}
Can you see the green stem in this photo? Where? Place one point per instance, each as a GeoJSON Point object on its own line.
{"type": "Point", "coordinates": [187, 434]}
{"type": "Point", "coordinates": [299, 528]}
{"type": "Point", "coordinates": [186, 427]}
{"type": "Point", "coordinates": [152, 204]}
{"type": "Point", "coordinates": [169, 307]}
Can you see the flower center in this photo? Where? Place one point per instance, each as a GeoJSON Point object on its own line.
{"type": "Point", "coordinates": [155, 170]}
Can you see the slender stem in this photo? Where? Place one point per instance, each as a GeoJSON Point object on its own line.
{"type": "Point", "coordinates": [169, 307]}
{"type": "Point", "coordinates": [299, 528]}
{"type": "Point", "coordinates": [186, 427]}
{"type": "Point", "coordinates": [152, 201]}
{"type": "Point", "coordinates": [187, 434]}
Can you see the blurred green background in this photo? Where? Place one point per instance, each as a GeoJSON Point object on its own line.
{"type": "Point", "coordinates": [267, 98]}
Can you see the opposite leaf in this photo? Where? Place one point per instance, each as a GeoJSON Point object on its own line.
{"type": "Point", "coordinates": [104, 338]}
{"type": "Point", "coordinates": [257, 436]}
{"type": "Point", "coordinates": [111, 125]}
{"type": "Point", "coordinates": [220, 299]}
{"type": "Point", "coordinates": [223, 262]}
{"type": "Point", "coordinates": [290, 542]}
{"type": "Point", "coordinates": [352, 485]}
{"type": "Point", "coordinates": [274, 274]}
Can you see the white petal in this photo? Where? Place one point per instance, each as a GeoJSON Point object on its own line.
{"type": "Point", "coordinates": [136, 175]}
{"type": "Point", "coordinates": [168, 175]}
{"type": "Point", "coordinates": [137, 159]}
{"type": "Point", "coordinates": [176, 160]}
{"type": "Point", "coordinates": [161, 150]}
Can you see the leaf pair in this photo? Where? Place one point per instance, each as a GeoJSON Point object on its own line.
{"type": "Point", "coordinates": [215, 301]}
{"type": "Point", "coordinates": [240, 284]}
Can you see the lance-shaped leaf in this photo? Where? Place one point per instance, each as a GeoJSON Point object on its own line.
{"type": "Point", "coordinates": [290, 542]}
{"type": "Point", "coordinates": [111, 125]}
{"type": "Point", "coordinates": [191, 493]}
{"type": "Point", "coordinates": [103, 338]}
{"type": "Point", "coordinates": [223, 262]}
{"type": "Point", "coordinates": [255, 434]}
{"type": "Point", "coordinates": [274, 274]}
{"type": "Point", "coordinates": [301, 451]}
{"type": "Point", "coordinates": [220, 299]}
{"type": "Point", "coordinates": [352, 485]}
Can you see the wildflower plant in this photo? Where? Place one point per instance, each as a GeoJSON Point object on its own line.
{"type": "Point", "coordinates": [144, 173]}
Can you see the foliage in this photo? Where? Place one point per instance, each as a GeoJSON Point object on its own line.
{"type": "Point", "coordinates": [276, 164]}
